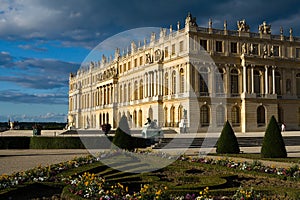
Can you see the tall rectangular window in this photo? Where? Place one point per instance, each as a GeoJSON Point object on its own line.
{"type": "Point", "coordinates": [219, 46]}
{"type": "Point", "coordinates": [173, 49]}
{"type": "Point", "coordinates": [129, 65]}
{"type": "Point", "coordinates": [141, 60]}
{"type": "Point", "coordinates": [233, 47]}
{"type": "Point", "coordinates": [180, 46]}
{"type": "Point", "coordinates": [135, 62]}
{"type": "Point", "coordinates": [203, 44]}
{"type": "Point", "coordinates": [254, 49]}
{"type": "Point", "coordinates": [166, 52]}
{"type": "Point", "coordinates": [275, 50]}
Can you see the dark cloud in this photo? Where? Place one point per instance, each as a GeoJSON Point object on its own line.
{"type": "Point", "coordinates": [21, 97]}
{"type": "Point", "coordinates": [87, 22]}
{"type": "Point", "coordinates": [5, 59]}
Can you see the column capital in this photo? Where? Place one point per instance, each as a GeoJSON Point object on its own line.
{"type": "Point", "coordinates": [274, 67]}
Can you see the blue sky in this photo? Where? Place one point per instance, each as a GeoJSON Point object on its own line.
{"type": "Point", "coordinates": [42, 41]}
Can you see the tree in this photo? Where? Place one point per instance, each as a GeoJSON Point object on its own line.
{"type": "Point", "coordinates": [273, 145]}
{"type": "Point", "coordinates": [122, 138]}
{"type": "Point", "coordinates": [227, 142]}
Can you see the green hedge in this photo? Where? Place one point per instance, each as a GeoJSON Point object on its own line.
{"type": "Point", "coordinates": [64, 142]}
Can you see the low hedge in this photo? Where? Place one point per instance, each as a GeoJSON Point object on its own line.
{"type": "Point", "coordinates": [63, 142]}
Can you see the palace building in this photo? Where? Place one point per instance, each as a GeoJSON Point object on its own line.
{"type": "Point", "coordinates": [196, 76]}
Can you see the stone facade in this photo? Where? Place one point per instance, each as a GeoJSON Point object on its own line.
{"type": "Point", "coordinates": [199, 76]}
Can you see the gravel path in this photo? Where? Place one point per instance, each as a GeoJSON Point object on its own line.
{"type": "Point", "coordinates": [21, 160]}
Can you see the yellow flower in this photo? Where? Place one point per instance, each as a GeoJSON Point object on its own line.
{"type": "Point", "coordinates": [86, 183]}
{"type": "Point", "coordinates": [158, 192]}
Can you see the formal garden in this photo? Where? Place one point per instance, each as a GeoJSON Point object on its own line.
{"type": "Point", "coordinates": [189, 177]}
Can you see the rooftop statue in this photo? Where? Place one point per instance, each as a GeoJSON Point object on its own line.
{"type": "Point", "coordinates": [265, 28]}
{"type": "Point", "coordinates": [243, 26]}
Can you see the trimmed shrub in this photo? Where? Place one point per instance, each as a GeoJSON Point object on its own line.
{"type": "Point", "coordinates": [14, 142]}
{"type": "Point", "coordinates": [122, 138]}
{"type": "Point", "coordinates": [273, 145]}
{"type": "Point", "coordinates": [227, 142]}
{"type": "Point", "coordinates": [56, 143]}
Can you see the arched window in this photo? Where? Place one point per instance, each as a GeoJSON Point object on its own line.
{"type": "Point", "coordinates": [172, 116]}
{"type": "Point", "coordinates": [166, 85]}
{"type": "Point", "coordinates": [107, 118]}
{"type": "Point", "coordinates": [298, 84]}
{"type": "Point", "coordinates": [150, 113]}
{"type": "Point", "coordinates": [174, 82]}
{"type": "Point", "coordinates": [219, 85]}
{"type": "Point", "coordinates": [120, 94]}
{"type": "Point", "coordinates": [181, 81]}
{"type": "Point", "coordinates": [125, 94]}
{"type": "Point", "coordinates": [140, 123]}
{"type": "Point", "coordinates": [277, 83]}
{"type": "Point", "coordinates": [180, 113]}
{"type": "Point", "coordinates": [235, 116]}
{"type": "Point", "coordinates": [103, 118]}
{"type": "Point", "coordinates": [234, 82]}
{"type": "Point", "coordinates": [129, 92]}
{"type": "Point", "coordinates": [257, 82]}
{"type": "Point", "coordinates": [136, 91]}
{"type": "Point", "coordinates": [204, 115]}
{"type": "Point", "coordinates": [261, 116]}
{"type": "Point", "coordinates": [134, 118]}
{"type": "Point", "coordinates": [141, 89]}
{"type": "Point", "coordinates": [203, 81]}
{"type": "Point", "coordinates": [220, 115]}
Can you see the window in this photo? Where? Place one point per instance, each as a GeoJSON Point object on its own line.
{"type": "Point", "coordinates": [166, 52]}
{"type": "Point", "coordinates": [277, 83]}
{"type": "Point", "coordinates": [233, 47]}
{"type": "Point", "coordinates": [261, 116]}
{"type": "Point", "coordinates": [174, 82]}
{"type": "Point", "coordinates": [120, 94]}
{"type": "Point", "coordinates": [173, 49]}
{"type": "Point", "coordinates": [180, 111]}
{"type": "Point", "coordinates": [298, 84]}
{"type": "Point", "coordinates": [166, 117]}
{"type": "Point", "coordinates": [203, 44]}
{"type": "Point", "coordinates": [219, 87]}
{"type": "Point", "coordinates": [275, 50]}
{"type": "Point", "coordinates": [254, 49]}
{"type": "Point", "coordinates": [135, 90]}
{"type": "Point", "coordinates": [124, 67]}
{"type": "Point", "coordinates": [172, 116]}
{"type": "Point", "coordinates": [203, 80]}
{"type": "Point", "coordinates": [129, 65]}
{"type": "Point", "coordinates": [219, 46]}
{"type": "Point", "coordinates": [235, 116]}
{"type": "Point", "coordinates": [299, 116]}
{"type": "Point", "coordinates": [234, 82]}
{"type": "Point", "coordinates": [204, 115]}
{"type": "Point", "coordinates": [181, 81]}
{"type": "Point", "coordinates": [141, 60]}
{"type": "Point", "coordinates": [135, 62]}
{"type": "Point", "coordinates": [220, 115]}
{"type": "Point", "coordinates": [297, 52]}
{"type": "Point", "coordinates": [166, 87]}
{"type": "Point", "coordinates": [257, 82]}
{"type": "Point", "coordinates": [141, 89]}
{"type": "Point", "coordinates": [181, 46]}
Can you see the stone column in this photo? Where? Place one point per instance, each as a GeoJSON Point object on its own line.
{"type": "Point", "coordinates": [159, 83]}
{"type": "Point", "coordinates": [145, 86]}
{"type": "Point", "coordinates": [273, 79]}
{"type": "Point", "coordinates": [266, 80]}
{"type": "Point", "coordinates": [149, 84]}
{"type": "Point", "coordinates": [244, 79]}
{"type": "Point", "coordinates": [155, 83]}
{"type": "Point", "coordinates": [252, 79]}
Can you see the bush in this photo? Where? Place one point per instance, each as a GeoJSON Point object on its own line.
{"type": "Point", "coordinates": [122, 138]}
{"type": "Point", "coordinates": [227, 142]}
{"type": "Point", "coordinates": [14, 142]}
{"type": "Point", "coordinates": [56, 143]}
{"type": "Point", "coordinates": [273, 145]}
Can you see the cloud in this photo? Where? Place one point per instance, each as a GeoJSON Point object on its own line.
{"type": "Point", "coordinates": [41, 98]}
{"type": "Point", "coordinates": [32, 47]}
{"type": "Point", "coordinates": [5, 58]}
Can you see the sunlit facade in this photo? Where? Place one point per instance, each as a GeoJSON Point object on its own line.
{"type": "Point", "coordinates": [247, 78]}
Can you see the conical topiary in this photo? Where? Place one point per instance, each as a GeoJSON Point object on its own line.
{"type": "Point", "coordinates": [273, 145]}
{"type": "Point", "coordinates": [122, 138]}
{"type": "Point", "coordinates": [227, 142]}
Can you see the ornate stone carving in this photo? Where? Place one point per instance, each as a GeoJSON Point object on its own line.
{"type": "Point", "coordinates": [265, 28]}
{"type": "Point", "coordinates": [190, 20]}
{"type": "Point", "coordinates": [243, 26]}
